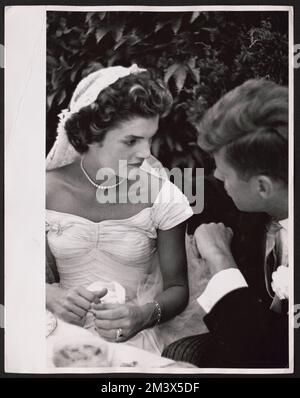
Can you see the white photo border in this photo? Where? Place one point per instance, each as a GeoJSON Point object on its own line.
{"type": "Point", "coordinates": [25, 143]}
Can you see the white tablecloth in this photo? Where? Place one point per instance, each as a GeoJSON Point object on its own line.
{"type": "Point", "coordinates": [121, 356]}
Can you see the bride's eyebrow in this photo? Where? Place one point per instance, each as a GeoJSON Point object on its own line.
{"type": "Point", "coordinates": [131, 136]}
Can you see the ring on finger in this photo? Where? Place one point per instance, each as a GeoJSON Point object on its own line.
{"type": "Point", "coordinates": [119, 334]}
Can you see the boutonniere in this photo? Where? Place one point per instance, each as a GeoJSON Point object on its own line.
{"type": "Point", "coordinates": [280, 282]}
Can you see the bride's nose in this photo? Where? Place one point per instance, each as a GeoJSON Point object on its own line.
{"type": "Point", "coordinates": [144, 151]}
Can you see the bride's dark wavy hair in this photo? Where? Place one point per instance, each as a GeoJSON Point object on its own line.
{"type": "Point", "coordinates": [136, 95]}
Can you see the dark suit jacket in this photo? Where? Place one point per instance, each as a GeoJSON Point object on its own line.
{"type": "Point", "coordinates": [247, 332]}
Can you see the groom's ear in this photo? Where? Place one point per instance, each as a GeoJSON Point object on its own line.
{"type": "Point", "coordinates": [265, 186]}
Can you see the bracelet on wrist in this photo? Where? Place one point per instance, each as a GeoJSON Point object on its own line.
{"type": "Point", "coordinates": [156, 312]}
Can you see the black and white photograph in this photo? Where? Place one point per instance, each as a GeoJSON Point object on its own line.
{"type": "Point", "coordinates": [158, 220]}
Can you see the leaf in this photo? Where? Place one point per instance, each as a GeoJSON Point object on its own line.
{"type": "Point", "coordinates": [100, 33]}
{"type": "Point", "coordinates": [74, 72]}
{"type": "Point", "coordinates": [59, 33]}
{"type": "Point", "coordinates": [63, 62]}
{"type": "Point", "coordinates": [92, 67]}
{"type": "Point", "coordinates": [176, 25]}
{"type": "Point", "coordinates": [179, 71]}
{"type": "Point", "coordinates": [192, 62]}
{"type": "Point", "coordinates": [194, 72]}
{"type": "Point", "coordinates": [73, 75]}
{"type": "Point", "coordinates": [63, 23]}
{"type": "Point", "coordinates": [51, 62]}
{"type": "Point", "coordinates": [50, 99]}
{"type": "Point", "coordinates": [102, 15]}
{"type": "Point", "coordinates": [118, 32]}
{"type": "Point", "coordinates": [194, 16]}
{"type": "Point", "coordinates": [158, 26]}
{"type": "Point", "coordinates": [170, 142]}
{"type": "Point", "coordinates": [111, 61]}
{"type": "Point", "coordinates": [66, 31]}
{"type": "Point", "coordinates": [91, 30]}
{"type": "Point", "coordinates": [121, 42]}
{"type": "Point", "coordinates": [61, 96]}
{"type": "Point", "coordinates": [161, 25]}
{"type": "Point", "coordinates": [178, 147]}
{"type": "Point", "coordinates": [130, 41]}
{"type": "Point", "coordinates": [180, 76]}
{"type": "Point", "coordinates": [88, 16]}
{"type": "Point", "coordinates": [170, 71]}
{"type": "Point", "coordinates": [212, 32]}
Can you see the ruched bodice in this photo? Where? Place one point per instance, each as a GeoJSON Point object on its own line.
{"type": "Point", "coordinates": [86, 251]}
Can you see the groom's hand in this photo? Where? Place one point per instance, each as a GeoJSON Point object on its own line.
{"type": "Point", "coordinates": [213, 243]}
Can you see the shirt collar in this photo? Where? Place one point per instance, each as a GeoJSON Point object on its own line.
{"type": "Point", "coordinates": [284, 223]}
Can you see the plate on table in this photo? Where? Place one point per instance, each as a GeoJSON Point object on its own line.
{"type": "Point", "coordinates": [123, 355]}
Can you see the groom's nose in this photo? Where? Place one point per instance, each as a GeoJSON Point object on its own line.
{"type": "Point", "coordinates": [218, 175]}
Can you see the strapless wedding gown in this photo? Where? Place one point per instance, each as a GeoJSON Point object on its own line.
{"type": "Point", "coordinates": [124, 251]}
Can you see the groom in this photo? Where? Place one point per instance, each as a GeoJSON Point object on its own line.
{"type": "Point", "coordinates": [246, 131]}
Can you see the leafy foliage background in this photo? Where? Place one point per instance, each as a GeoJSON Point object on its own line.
{"type": "Point", "coordinates": [201, 55]}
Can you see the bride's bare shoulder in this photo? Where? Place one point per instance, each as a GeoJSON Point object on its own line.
{"type": "Point", "coordinates": [57, 177]}
{"type": "Point", "coordinates": [58, 182]}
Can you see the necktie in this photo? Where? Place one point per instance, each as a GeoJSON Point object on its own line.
{"type": "Point", "coordinates": [275, 256]}
{"type": "Point", "coordinates": [271, 255]}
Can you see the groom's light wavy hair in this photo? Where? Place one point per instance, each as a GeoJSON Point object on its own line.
{"type": "Point", "coordinates": [251, 123]}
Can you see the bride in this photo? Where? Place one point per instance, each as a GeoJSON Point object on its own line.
{"type": "Point", "coordinates": [136, 246]}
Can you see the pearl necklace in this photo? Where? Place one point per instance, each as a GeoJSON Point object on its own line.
{"type": "Point", "coordinates": [98, 186]}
